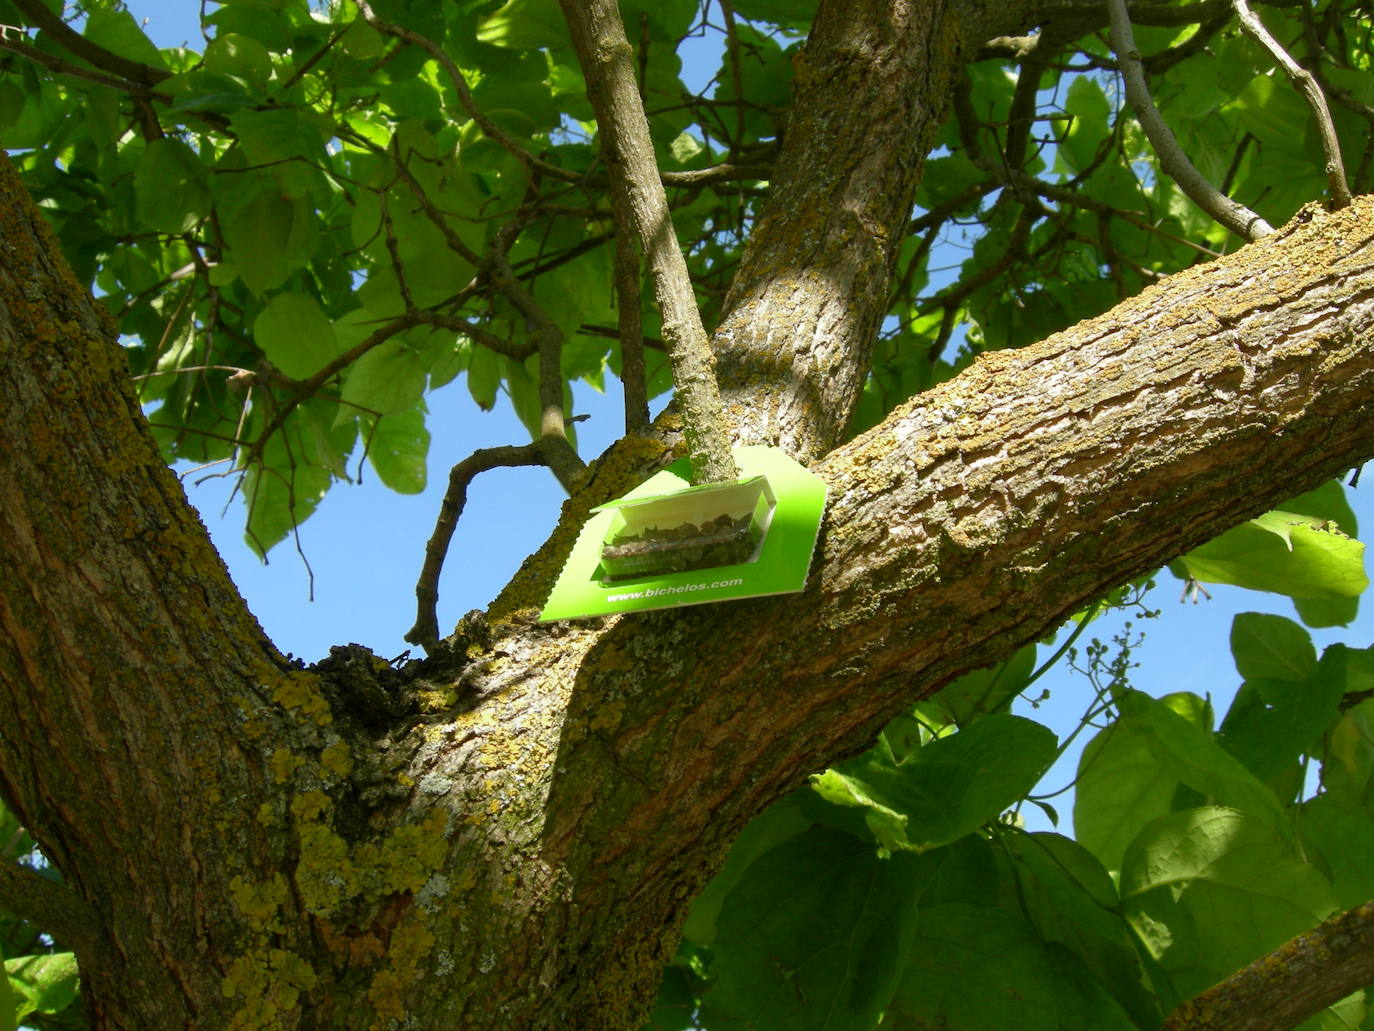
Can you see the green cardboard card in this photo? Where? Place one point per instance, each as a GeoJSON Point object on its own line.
{"type": "Point", "coordinates": [667, 543]}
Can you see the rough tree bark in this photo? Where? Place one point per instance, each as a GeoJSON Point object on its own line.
{"type": "Point", "coordinates": [507, 835]}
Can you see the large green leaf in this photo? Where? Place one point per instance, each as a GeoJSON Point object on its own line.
{"type": "Point", "coordinates": [43, 984]}
{"type": "Point", "coordinates": [296, 335]}
{"type": "Point", "coordinates": [947, 788]}
{"type": "Point", "coordinates": [170, 185]}
{"type": "Point", "coordinates": [813, 936]}
{"type": "Point", "coordinates": [976, 968]}
{"type": "Point", "coordinates": [1284, 553]}
{"type": "Point", "coordinates": [1196, 759]}
{"type": "Point", "coordinates": [1207, 890]}
{"type": "Point", "coordinates": [398, 448]}
{"type": "Point", "coordinates": [269, 237]}
{"type": "Point", "coordinates": [1274, 720]}
{"type": "Point", "coordinates": [1270, 647]}
{"type": "Point", "coordinates": [1120, 788]}
{"type": "Point", "coordinates": [980, 693]}
{"type": "Point", "coordinates": [386, 380]}
{"type": "Point", "coordinates": [782, 820]}
{"type": "Point", "coordinates": [1068, 897]}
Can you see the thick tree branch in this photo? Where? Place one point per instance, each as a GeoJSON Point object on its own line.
{"type": "Point", "coordinates": [1297, 980]}
{"type": "Point", "coordinates": [606, 59]}
{"type": "Point", "coordinates": [1235, 217]}
{"type": "Point", "coordinates": [1048, 475]}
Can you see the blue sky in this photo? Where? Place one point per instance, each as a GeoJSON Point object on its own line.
{"type": "Point", "coordinates": [365, 543]}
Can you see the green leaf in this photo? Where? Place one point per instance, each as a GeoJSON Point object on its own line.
{"type": "Point", "coordinates": [1272, 721]}
{"type": "Point", "coordinates": [230, 53]}
{"type": "Point", "coordinates": [1068, 897]}
{"type": "Point", "coordinates": [398, 448]}
{"type": "Point", "coordinates": [45, 984]}
{"type": "Point", "coordinates": [268, 238]}
{"type": "Point", "coordinates": [283, 142]}
{"type": "Point", "coordinates": [1120, 788]}
{"type": "Point", "coordinates": [980, 693]}
{"type": "Point", "coordinates": [976, 968]}
{"type": "Point", "coordinates": [1284, 553]}
{"type": "Point", "coordinates": [1196, 759]}
{"type": "Point", "coordinates": [1271, 647]}
{"type": "Point", "coordinates": [117, 31]}
{"type": "Point", "coordinates": [948, 787]}
{"type": "Point", "coordinates": [780, 821]}
{"type": "Point", "coordinates": [283, 490]}
{"type": "Point", "coordinates": [484, 376]}
{"type": "Point", "coordinates": [386, 380]}
{"type": "Point", "coordinates": [1091, 110]}
{"type": "Point", "coordinates": [170, 186]}
{"type": "Point", "coordinates": [1208, 890]}
{"type": "Point", "coordinates": [524, 25]}
{"type": "Point", "coordinates": [1344, 841]}
{"type": "Point", "coordinates": [813, 936]}
{"type": "Point", "coordinates": [296, 335]}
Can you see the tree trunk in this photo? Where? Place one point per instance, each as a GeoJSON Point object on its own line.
{"type": "Point", "coordinates": [507, 835]}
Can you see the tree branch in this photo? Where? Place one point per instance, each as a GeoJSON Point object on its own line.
{"type": "Point", "coordinates": [56, 64]}
{"type": "Point", "coordinates": [37, 12]}
{"type": "Point", "coordinates": [1307, 86]}
{"type": "Point", "coordinates": [606, 60]}
{"type": "Point", "coordinates": [1297, 980]}
{"type": "Point", "coordinates": [1235, 217]}
{"type": "Point", "coordinates": [425, 632]}
{"type": "Point", "coordinates": [48, 905]}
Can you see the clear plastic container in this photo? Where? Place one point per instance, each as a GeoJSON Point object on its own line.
{"type": "Point", "coordinates": [719, 524]}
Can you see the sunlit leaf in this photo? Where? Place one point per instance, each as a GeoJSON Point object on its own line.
{"type": "Point", "coordinates": [946, 788]}
{"type": "Point", "coordinates": [295, 334]}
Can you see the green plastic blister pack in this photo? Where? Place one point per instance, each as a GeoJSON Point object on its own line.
{"type": "Point", "coordinates": [667, 543]}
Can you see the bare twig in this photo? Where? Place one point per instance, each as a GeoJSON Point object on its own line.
{"type": "Point", "coordinates": [1298, 979]}
{"type": "Point", "coordinates": [1307, 86]}
{"type": "Point", "coordinates": [425, 632]}
{"type": "Point", "coordinates": [607, 62]}
{"type": "Point", "coordinates": [1234, 216]}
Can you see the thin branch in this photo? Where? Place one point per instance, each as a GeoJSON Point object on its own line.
{"type": "Point", "coordinates": [305, 389]}
{"type": "Point", "coordinates": [1307, 86]}
{"type": "Point", "coordinates": [1297, 980]}
{"type": "Point", "coordinates": [607, 62]}
{"type": "Point", "coordinates": [56, 64]}
{"type": "Point", "coordinates": [37, 12]}
{"type": "Point", "coordinates": [1234, 216]}
{"type": "Point", "coordinates": [559, 454]}
{"type": "Point", "coordinates": [425, 632]}
{"type": "Point", "coordinates": [51, 907]}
